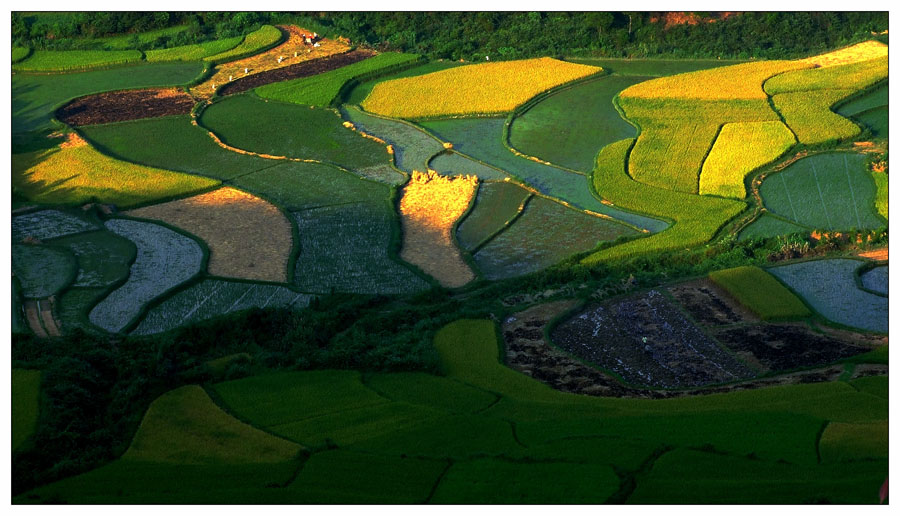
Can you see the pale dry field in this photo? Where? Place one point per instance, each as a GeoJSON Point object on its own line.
{"type": "Point", "coordinates": [248, 238]}
{"type": "Point", "coordinates": [852, 54]}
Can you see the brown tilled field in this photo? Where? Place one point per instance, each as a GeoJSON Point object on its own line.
{"type": "Point", "coordinates": [294, 44]}
{"type": "Point", "coordinates": [248, 238]}
{"type": "Point", "coordinates": [119, 106]}
{"type": "Point", "coordinates": [429, 206]}
{"type": "Point", "coordinates": [295, 71]}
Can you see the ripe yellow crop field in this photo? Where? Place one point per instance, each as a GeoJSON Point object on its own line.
{"type": "Point", "coordinates": [739, 149]}
{"type": "Point", "coordinates": [248, 238]}
{"type": "Point", "coordinates": [741, 81]}
{"type": "Point", "coordinates": [808, 114]}
{"type": "Point", "coordinates": [479, 88]}
{"type": "Point", "coordinates": [77, 173]}
{"type": "Point", "coordinates": [429, 207]}
{"type": "Point", "coordinates": [854, 76]}
{"type": "Point", "coordinates": [852, 54]}
{"type": "Point", "coordinates": [676, 136]}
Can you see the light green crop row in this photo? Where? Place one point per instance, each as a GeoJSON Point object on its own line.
{"type": "Point", "coordinates": [193, 52]}
{"type": "Point", "coordinates": [760, 292]}
{"type": "Point", "coordinates": [854, 76]}
{"type": "Point", "coordinates": [266, 36]}
{"type": "Point", "coordinates": [64, 60]}
{"type": "Point", "coordinates": [809, 115]}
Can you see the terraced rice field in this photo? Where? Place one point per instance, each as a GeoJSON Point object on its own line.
{"type": "Point", "coordinates": [344, 248]}
{"type": "Point", "coordinates": [876, 280]}
{"type": "Point", "coordinates": [526, 246]}
{"type": "Point", "coordinates": [279, 129]}
{"type": "Point", "coordinates": [42, 271]}
{"type": "Point", "coordinates": [363, 89]}
{"type": "Point", "coordinates": [829, 287]}
{"type": "Point", "coordinates": [430, 206]}
{"type": "Point", "coordinates": [760, 293]}
{"type": "Point", "coordinates": [248, 238]}
{"type": "Point", "coordinates": [486, 88]}
{"type": "Point", "coordinates": [588, 117]}
{"type": "Point", "coordinates": [77, 173]}
{"type": "Point", "coordinates": [47, 224]}
{"type": "Point", "coordinates": [165, 259]}
{"type": "Point", "coordinates": [214, 297]}
{"type": "Point", "coordinates": [824, 191]}
{"type": "Point", "coordinates": [103, 257]}
{"type": "Point", "coordinates": [481, 138]}
{"type": "Point", "coordinates": [768, 226]}
{"type": "Point", "coordinates": [496, 205]}
{"type": "Point", "coordinates": [412, 148]}
{"type": "Point", "coordinates": [37, 96]}
{"type": "Point", "coordinates": [71, 60]}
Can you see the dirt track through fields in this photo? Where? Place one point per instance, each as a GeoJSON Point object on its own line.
{"type": "Point", "coordinates": [295, 71]}
{"type": "Point", "coordinates": [121, 106]}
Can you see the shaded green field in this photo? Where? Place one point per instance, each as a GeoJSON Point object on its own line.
{"type": "Point", "coordinates": [344, 248]}
{"type": "Point", "coordinates": [481, 138]}
{"type": "Point", "coordinates": [42, 271]}
{"type": "Point", "coordinates": [509, 482]}
{"type": "Point", "coordinates": [570, 127]}
{"type": "Point", "coordinates": [322, 89]}
{"type": "Point", "coordinates": [853, 441]}
{"type": "Point", "coordinates": [760, 292]}
{"type": "Point", "coordinates": [768, 226]}
{"type": "Point", "coordinates": [527, 245]}
{"type": "Point", "coordinates": [415, 438]}
{"type": "Point", "coordinates": [824, 191]}
{"type": "Point", "coordinates": [697, 218]}
{"type": "Point", "coordinates": [19, 53]}
{"type": "Point", "coordinates": [171, 143]}
{"type": "Point", "coordinates": [362, 90]}
{"type": "Point", "coordinates": [729, 480]}
{"type": "Point", "coordinates": [185, 426]}
{"type": "Point", "coordinates": [652, 67]}
{"type": "Point", "coordinates": [412, 146]}
{"type": "Point", "coordinates": [280, 129]}
{"type": "Point", "coordinates": [67, 60]}
{"type": "Point", "coordinates": [881, 193]}
{"type": "Point", "coordinates": [26, 394]}
{"type": "Point", "coordinates": [35, 97]}
{"type": "Point", "coordinates": [103, 257]}
{"type": "Point", "coordinates": [345, 477]}
{"type": "Point", "coordinates": [495, 205]}
{"type": "Point", "coordinates": [298, 185]}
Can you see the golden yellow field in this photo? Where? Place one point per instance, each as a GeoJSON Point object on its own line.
{"type": "Point", "coordinates": [739, 149]}
{"type": "Point", "coordinates": [269, 60]}
{"type": "Point", "coordinates": [479, 88]}
{"type": "Point", "coordinates": [852, 54]}
{"type": "Point", "coordinates": [429, 207]}
{"type": "Point", "coordinates": [76, 173]}
{"type": "Point", "coordinates": [741, 81]}
{"type": "Point", "coordinates": [248, 238]}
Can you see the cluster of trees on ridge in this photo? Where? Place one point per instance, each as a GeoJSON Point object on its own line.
{"type": "Point", "coordinates": [501, 35]}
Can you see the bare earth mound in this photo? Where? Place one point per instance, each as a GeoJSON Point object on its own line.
{"type": "Point", "coordinates": [429, 207]}
{"type": "Point", "coordinates": [120, 106]}
{"type": "Point", "coordinates": [248, 238]}
{"type": "Point", "coordinates": [269, 60]}
{"type": "Point", "coordinates": [295, 71]}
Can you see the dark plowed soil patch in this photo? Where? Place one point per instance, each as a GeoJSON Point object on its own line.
{"type": "Point", "coordinates": [120, 106]}
{"type": "Point", "coordinates": [647, 341]}
{"type": "Point", "coordinates": [779, 347]}
{"type": "Point", "coordinates": [304, 69]}
{"type": "Point", "coordinates": [529, 353]}
{"type": "Point", "coordinates": [708, 305]}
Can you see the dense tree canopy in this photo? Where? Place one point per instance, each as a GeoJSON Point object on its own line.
{"type": "Point", "coordinates": [501, 35]}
